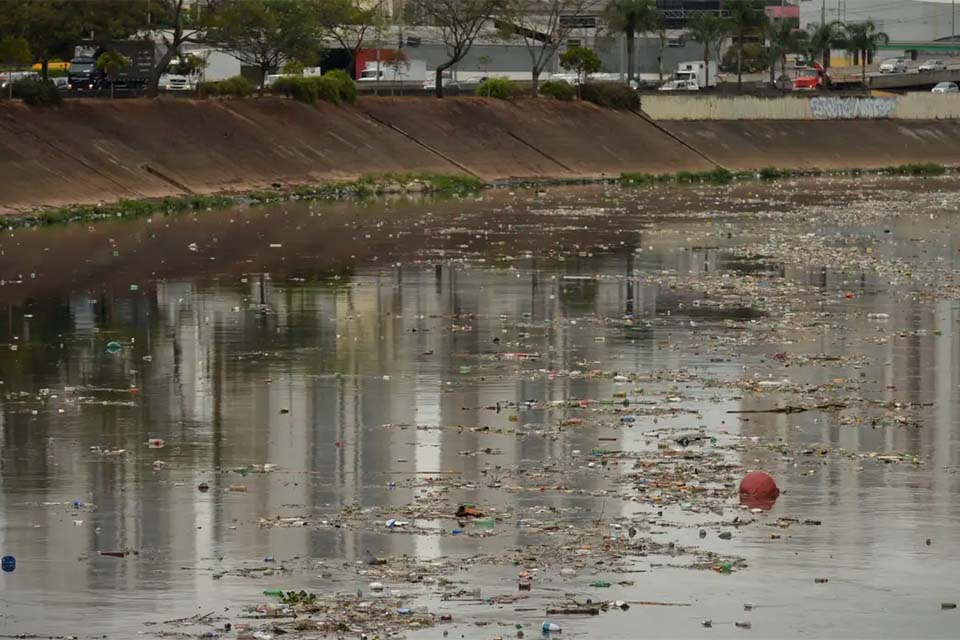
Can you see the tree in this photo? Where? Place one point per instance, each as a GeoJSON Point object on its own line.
{"type": "Point", "coordinates": [52, 28]}
{"type": "Point", "coordinates": [485, 61]}
{"type": "Point", "coordinates": [632, 17]}
{"type": "Point", "coordinates": [14, 53]}
{"type": "Point", "coordinates": [747, 17]}
{"type": "Point", "coordinates": [581, 60]}
{"type": "Point", "coordinates": [822, 38]}
{"type": "Point", "coordinates": [348, 22]}
{"type": "Point", "coordinates": [460, 22]}
{"type": "Point", "coordinates": [175, 16]}
{"type": "Point", "coordinates": [396, 60]}
{"type": "Point", "coordinates": [863, 39]}
{"type": "Point", "coordinates": [292, 68]}
{"type": "Point", "coordinates": [708, 29]}
{"type": "Point", "coordinates": [539, 24]}
{"type": "Point", "coordinates": [662, 37]}
{"type": "Point", "coordinates": [265, 33]}
{"type": "Point", "coordinates": [112, 63]}
{"type": "Point", "coordinates": [783, 39]}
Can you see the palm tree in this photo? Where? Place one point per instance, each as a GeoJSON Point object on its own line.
{"type": "Point", "coordinates": [783, 39]}
{"type": "Point", "coordinates": [112, 63]}
{"type": "Point", "coordinates": [707, 29]}
{"type": "Point", "coordinates": [747, 17]}
{"type": "Point", "coordinates": [863, 39]}
{"type": "Point", "coordinates": [632, 17]}
{"type": "Point", "coordinates": [822, 38]}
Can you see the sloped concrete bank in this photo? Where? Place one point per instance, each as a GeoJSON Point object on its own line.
{"type": "Point", "coordinates": [90, 151]}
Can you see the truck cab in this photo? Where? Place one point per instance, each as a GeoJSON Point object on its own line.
{"type": "Point", "coordinates": [811, 78]}
{"type": "Point", "coordinates": [82, 74]}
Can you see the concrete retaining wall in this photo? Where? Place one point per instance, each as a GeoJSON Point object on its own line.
{"type": "Point", "coordinates": [828, 145]}
{"type": "Point", "coordinates": [911, 106]}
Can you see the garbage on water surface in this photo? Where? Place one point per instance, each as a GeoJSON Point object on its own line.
{"type": "Point", "coordinates": [468, 511]}
{"type": "Point", "coordinates": [8, 564]}
{"type": "Point", "coordinates": [114, 347]}
{"type": "Point", "coordinates": [623, 462]}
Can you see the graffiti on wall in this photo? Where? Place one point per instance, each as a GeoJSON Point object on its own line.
{"type": "Point", "coordinates": [834, 108]}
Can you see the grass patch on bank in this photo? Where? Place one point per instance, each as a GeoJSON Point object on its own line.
{"type": "Point", "coordinates": [365, 187]}
{"type": "Point", "coordinates": [715, 176]}
{"type": "Point", "coordinates": [920, 169]}
{"type": "Point", "coordinates": [723, 176]}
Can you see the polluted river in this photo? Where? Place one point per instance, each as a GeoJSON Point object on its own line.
{"type": "Point", "coordinates": [515, 414]}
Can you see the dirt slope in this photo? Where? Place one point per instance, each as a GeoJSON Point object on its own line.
{"type": "Point", "coordinates": [100, 150]}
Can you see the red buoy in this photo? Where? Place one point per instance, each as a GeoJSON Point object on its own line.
{"type": "Point", "coordinates": [759, 485]}
{"type": "Point", "coordinates": [758, 490]}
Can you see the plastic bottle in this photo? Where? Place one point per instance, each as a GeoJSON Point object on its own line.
{"type": "Point", "coordinates": [8, 564]}
{"type": "Point", "coordinates": [549, 627]}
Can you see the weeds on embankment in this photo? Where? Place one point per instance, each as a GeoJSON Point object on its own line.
{"type": "Point", "coordinates": [723, 176]}
{"type": "Point", "coordinates": [415, 184]}
{"type": "Point", "coordinates": [367, 186]}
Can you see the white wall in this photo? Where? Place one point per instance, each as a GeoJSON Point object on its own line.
{"type": "Point", "coordinates": [911, 106]}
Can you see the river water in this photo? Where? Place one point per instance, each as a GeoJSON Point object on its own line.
{"type": "Point", "coordinates": [533, 353]}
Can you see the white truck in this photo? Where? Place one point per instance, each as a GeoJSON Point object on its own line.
{"type": "Point", "coordinates": [692, 76]}
{"type": "Point", "coordinates": [409, 71]}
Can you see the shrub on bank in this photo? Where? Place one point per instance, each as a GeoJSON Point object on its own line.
{"type": "Point", "coordinates": [346, 87]}
{"type": "Point", "coordinates": [334, 87]}
{"type": "Point", "coordinates": [772, 173]}
{"type": "Point", "coordinates": [237, 86]}
{"type": "Point", "coordinates": [613, 95]}
{"type": "Point", "coordinates": [328, 89]}
{"type": "Point", "coordinates": [921, 169]}
{"type": "Point", "coordinates": [297, 87]}
{"type": "Point", "coordinates": [37, 93]}
{"type": "Point", "coordinates": [500, 88]}
{"type": "Point", "coordinates": [558, 89]}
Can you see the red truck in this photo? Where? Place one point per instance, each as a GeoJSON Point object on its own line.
{"type": "Point", "coordinates": [811, 78]}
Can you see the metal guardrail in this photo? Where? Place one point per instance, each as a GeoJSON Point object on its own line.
{"type": "Point", "coordinates": [912, 78]}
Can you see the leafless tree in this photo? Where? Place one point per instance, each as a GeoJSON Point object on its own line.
{"type": "Point", "coordinates": [459, 22]}
{"type": "Point", "coordinates": [541, 25]}
{"type": "Point", "coordinates": [175, 16]}
{"type": "Point", "coordinates": [348, 22]}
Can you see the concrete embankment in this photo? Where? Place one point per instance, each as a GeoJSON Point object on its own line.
{"type": "Point", "coordinates": [100, 150]}
{"type": "Point", "coordinates": [828, 145]}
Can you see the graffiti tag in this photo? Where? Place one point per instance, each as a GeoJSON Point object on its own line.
{"type": "Point", "coordinates": [852, 108]}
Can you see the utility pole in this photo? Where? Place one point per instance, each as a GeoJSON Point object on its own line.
{"type": "Point", "coordinates": [823, 12]}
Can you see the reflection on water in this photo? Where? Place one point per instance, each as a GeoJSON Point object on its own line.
{"type": "Point", "coordinates": [346, 344]}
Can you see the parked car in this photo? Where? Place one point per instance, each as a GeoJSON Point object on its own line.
{"type": "Point", "coordinates": [893, 65]}
{"type": "Point", "coordinates": [946, 87]}
{"type": "Point", "coordinates": [933, 65]}
{"type": "Point", "coordinates": [446, 79]}
{"type": "Point", "coordinates": [680, 85]}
